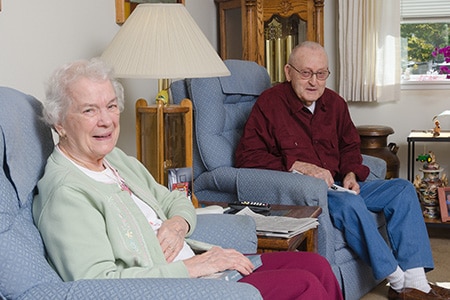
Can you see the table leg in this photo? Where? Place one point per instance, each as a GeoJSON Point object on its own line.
{"type": "Point", "coordinates": [409, 161]}
{"type": "Point", "coordinates": [311, 240]}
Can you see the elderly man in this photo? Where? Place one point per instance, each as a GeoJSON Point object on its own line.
{"type": "Point", "coordinates": [302, 126]}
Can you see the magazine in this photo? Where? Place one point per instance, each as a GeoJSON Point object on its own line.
{"type": "Point", "coordinates": [278, 226]}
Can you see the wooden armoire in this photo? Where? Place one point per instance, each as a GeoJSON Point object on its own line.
{"type": "Point", "coordinates": [265, 31]}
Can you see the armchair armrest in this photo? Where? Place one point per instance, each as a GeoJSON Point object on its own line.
{"type": "Point", "coordinates": [227, 231]}
{"type": "Point", "coordinates": [376, 165]}
{"type": "Point", "coordinates": [144, 288]}
{"type": "Point", "coordinates": [281, 188]}
{"type": "Point", "coordinates": [269, 186]}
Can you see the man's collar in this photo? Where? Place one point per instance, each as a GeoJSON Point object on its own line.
{"type": "Point", "coordinates": [297, 105]}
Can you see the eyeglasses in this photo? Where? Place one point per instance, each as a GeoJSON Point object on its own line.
{"type": "Point", "coordinates": [308, 74]}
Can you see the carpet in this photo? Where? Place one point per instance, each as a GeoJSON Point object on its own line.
{"type": "Point", "coordinates": [440, 245]}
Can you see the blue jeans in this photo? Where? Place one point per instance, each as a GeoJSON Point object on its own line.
{"type": "Point", "coordinates": [406, 230]}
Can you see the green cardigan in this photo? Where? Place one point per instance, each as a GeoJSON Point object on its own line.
{"type": "Point", "coordinates": [94, 230]}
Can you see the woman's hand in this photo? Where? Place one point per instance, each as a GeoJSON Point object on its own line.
{"type": "Point", "coordinates": [171, 236]}
{"type": "Point", "coordinates": [313, 170]}
{"type": "Point", "coordinates": [217, 260]}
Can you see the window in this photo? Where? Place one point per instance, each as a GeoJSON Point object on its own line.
{"type": "Point", "coordinates": [425, 25]}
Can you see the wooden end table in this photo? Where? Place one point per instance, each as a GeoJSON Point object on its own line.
{"type": "Point", "coordinates": [306, 241]}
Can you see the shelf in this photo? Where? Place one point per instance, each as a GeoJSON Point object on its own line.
{"type": "Point", "coordinates": [436, 222]}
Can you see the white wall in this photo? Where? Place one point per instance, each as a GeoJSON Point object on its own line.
{"type": "Point", "coordinates": [414, 110]}
{"type": "Point", "coordinates": [38, 36]}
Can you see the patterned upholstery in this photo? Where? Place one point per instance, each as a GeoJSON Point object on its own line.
{"type": "Point", "coordinates": [25, 143]}
{"type": "Point", "coordinates": [220, 113]}
{"type": "Point", "coordinates": [235, 228]}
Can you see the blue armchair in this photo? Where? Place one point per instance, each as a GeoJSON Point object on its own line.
{"type": "Point", "coordinates": [221, 107]}
{"type": "Point", "coordinates": [25, 144]}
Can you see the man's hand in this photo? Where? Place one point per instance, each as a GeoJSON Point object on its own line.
{"type": "Point", "coordinates": [350, 182]}
{"type": "Point", "coordinates": [171, 236]}
{"type": "Point", "coordinates": [313, 170]}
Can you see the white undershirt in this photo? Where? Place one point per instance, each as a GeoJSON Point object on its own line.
{"type": "Point", "coordinates": [312, 107]}
{"type": "Point", "coordinates": [107, 176]}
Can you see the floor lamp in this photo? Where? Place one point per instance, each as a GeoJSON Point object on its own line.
{"type": "Point", "coordinates": [162, 41]}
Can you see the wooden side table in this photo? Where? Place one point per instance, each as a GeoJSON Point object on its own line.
{"type": "Point", "coordinates": [306, 241]}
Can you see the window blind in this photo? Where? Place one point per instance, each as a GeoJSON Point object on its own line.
{"type": "Point", "coordinates": [420, 9]}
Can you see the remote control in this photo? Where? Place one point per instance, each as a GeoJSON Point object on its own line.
{"type": "Point", "coordinates": [338, 188]}
{"type": "Point", "coordinates": [254, 206]}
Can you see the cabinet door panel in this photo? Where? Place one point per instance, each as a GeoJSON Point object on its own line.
{"type": "Point", "coordinates": [265, 31]}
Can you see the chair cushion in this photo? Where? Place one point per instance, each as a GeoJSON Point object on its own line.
{"type": "Point", "coordinates": [247, 78]}
{"type": "Point", "coordinates": [9, 205]}
{"type": "Point", "coordinates": [220, 116]}
{"type": "Point", "coordinates": [29, 144]}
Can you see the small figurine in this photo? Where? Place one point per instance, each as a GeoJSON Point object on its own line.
{"type": "Point", "coordinates": [429, 160]}
{"type": "Point", "coordinates": [427, 186]}
{"type": "Point", "coordinates": [437, 127]}
{"type": "Point", "coordinates": [417, 182]}
{"type": "Point", "coordinates": [444, 179]}
{"type": "Point", "coordinates": [163, 96]}
{"type": "Point", "coordinates": [424, 158]}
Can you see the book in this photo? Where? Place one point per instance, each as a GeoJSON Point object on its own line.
{"type": "Point", "coordinates": [233, 275]}
{"type": "Point", "coordinates": [279, 226]}
{"type": "Point", "coordinates": [180, 179]}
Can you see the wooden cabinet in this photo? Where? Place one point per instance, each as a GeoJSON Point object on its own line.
{"type": "Point", "coordinates": [164, 138]}
{"type": "Point", "coordinates": [265, 31]}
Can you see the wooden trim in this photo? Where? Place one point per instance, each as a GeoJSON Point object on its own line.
{"type": "Point", "coordinates": [160, 111]}
{"type": "Point", "coordinates": [443, 193]}
{"type": "Point", "coordinates": [189, 143]}
{"type": "Point", "coordinates": [125, 7]}
{"type": "Point", "coordinates": [255, 12]}
{"type": "Point", "coordinates": [223, 6]}
{"type": "Point", "coordinates": [319, 21]}
{"type": "Point", "coordinates": [139, 103]}
{"type": "Point", "coordinates": [160, 133]}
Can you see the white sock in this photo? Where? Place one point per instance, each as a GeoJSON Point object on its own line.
{"type": "Point", "coordinates": [416, 279]}
{"type": "Point", "coordinates": [396, 279]}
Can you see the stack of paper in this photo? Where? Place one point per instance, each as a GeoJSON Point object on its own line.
{"type": "Point", "coordinates": [277, 226]}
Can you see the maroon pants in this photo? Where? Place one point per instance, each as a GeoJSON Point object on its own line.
{"type": "Point", "coordinates": [294, 275]}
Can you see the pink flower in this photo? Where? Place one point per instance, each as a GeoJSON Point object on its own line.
{"type": "Point", "coordinates": [445, 51]}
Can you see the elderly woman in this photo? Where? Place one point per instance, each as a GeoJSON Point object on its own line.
{"type": "Point", "coordinates": [102, 215]}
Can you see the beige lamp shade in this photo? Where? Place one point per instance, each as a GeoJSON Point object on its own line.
{"type": "Point", "coordinates": [162, 41]}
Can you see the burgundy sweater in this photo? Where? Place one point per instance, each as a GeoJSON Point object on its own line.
{"type": "Point", "coordinates": [281, 130]}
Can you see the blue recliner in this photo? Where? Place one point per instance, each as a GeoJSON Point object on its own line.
{"type": "Point", "coordinates": [221, 107]}
{"type": "Point", "coordinates": [25, 144]}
